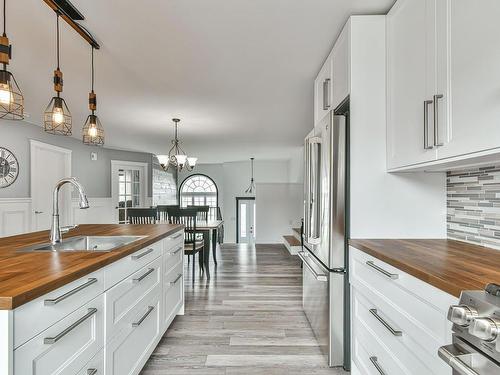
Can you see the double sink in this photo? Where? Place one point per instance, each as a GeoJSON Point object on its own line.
{"type": "Point", "coordinates": [85, 243]}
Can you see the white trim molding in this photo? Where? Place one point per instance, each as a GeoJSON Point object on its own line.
{"type": "Point", "coordinates": [15, 216]}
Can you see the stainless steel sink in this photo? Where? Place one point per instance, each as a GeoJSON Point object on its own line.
{"type": "Point", "coordinates": [86, 243]}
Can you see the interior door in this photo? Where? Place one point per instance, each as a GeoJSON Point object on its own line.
{"type": "Point", "coordinates": [246, 221]}
{"type": "Point", "coordinates": [49, 164]}
{"type": "Point", "coordinates": [128, 187]}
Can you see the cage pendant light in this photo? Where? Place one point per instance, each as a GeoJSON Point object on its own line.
{"type": "Point", "coordinates": [11, 97]}
{"type": "Point", "coordinates": [57, 117]}
{"type": "Point", "coordinates": [251, 188]}
{"type": "Point", "coordinates": [93, 132]}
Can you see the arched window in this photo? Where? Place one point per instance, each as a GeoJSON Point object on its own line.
{"type": "Point", "coordinates": [198, 190]}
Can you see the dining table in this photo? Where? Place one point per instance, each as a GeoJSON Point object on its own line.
{"type": "Point", "coordinates": [209, 229]}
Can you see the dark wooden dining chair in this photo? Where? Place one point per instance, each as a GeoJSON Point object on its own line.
{"type": "Point", "coordinates": [202, 212]}
{"type": "Point", "coordinates": [220, 232]}
{"type": "Point", "coordinates": [193, 243]}
{"type": "Point", "coordinates": [163, 211]}
{"type": "Point", "coordinates": [141, 215]}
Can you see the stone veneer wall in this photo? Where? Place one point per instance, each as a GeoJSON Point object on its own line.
{"type": "Point", "coordinates": [473, 205]}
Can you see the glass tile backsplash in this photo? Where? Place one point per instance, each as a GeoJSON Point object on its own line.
{"type": "Point", "coordinates": [473, 205]}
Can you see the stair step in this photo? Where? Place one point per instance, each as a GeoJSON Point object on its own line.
{"type": "Point", "coordinates": [292, 244]}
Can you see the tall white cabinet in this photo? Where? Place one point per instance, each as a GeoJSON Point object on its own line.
{"type": "Point", "coordinates": [443, 81]}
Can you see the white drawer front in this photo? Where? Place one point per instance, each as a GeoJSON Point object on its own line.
{"type": "Point", "coordinates": [32, 318]}
{"type": "Point", "coordinates": [173, 241]}
{"type": "Point", "coordinates": [425, 305]}
{"type": "Point", "coordinates": [173, 293]}
{"type": "Point", "coordinates": [119, 270]}
{"type": "Point", "coordinates": [127, 353]}
{"type": "Point", "coordinates": [95, 366]}
{"type": "Point", "coordinates": [393, 329]}
{"type": "Point", "coordinates": [173, 256]}
{"type": "Point", "coordinates": [122, 299]}
{"type": "Point", "coordinates": [65, 347]}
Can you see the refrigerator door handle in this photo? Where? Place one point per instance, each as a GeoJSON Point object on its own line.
{"type": "Point", "coordinates": [319, 276]}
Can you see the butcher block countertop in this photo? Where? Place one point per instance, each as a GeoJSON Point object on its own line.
{"type": "Point", "coordinates": [449, 265]}
{"type": "Point", "coordinates": [25, 276]}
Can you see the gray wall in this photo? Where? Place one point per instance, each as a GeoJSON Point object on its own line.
{"type": "Point", "coordinates": [94, 175]}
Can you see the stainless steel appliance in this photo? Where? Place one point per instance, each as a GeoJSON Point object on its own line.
{"type": "Point", "coordinates": [324, 236]}
{"type": "Point", "coordinates": [476, 333]}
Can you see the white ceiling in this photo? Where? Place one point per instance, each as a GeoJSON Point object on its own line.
{"type": "Point", "coordinates": [239, 73]}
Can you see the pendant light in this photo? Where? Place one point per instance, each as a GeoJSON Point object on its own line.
{"type": "Point", "coordinates": [176, 157]}
{"type": "Point", "coordinates": [57, 117]}
{"type": "Point", "coordinates": [11, 98]}
{"type": "Point", "coordinates": [251, 188]}
{"type": "Point", "coordinates": [93, 132]}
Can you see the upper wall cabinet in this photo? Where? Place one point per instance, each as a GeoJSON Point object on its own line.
{"type": "Point", "coordinates": [332, 85]}
{"type": "Point", "coordinates": [443, 82]}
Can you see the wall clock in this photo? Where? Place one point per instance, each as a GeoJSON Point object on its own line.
{"type": "Point", "coordinates": [9, 168]}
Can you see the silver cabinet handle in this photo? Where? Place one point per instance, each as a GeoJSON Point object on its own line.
{"type": "Point", "coordinates": [456, 356]}
{"type": "Point", "coordinates": [53, 340]}
{"type": "Point", "coordinates": [176, 279]}
{"type": "Point", "coordinates": [54, 301]}
{"type": "Point", "coordinates": [318, 276]}
{"type": "Point", "coordinates": [326, 94]}
{"type": "Point", "coordinates": [38, 212]}
{"type": "Point", "coordinates": [436, 120]}
{"type": "Point", "coordinates": [91, 371]}
{"type": "Point", "coordinates": [176, 251]}
{"type": "Point", "coordinates": [395, 332]}
{"type": "Point", "coordinates": [427, 146]}
{"type": "Point", "coordinates": [177, 236]}
{"type": "Point", "coordinates": [374, 361]}
{"type": "Point", "coordinates": [392, 276]}
{"type": "Point", "coordinates": [142, 277]}
{"type": "Point", "coordinates": [139, 256]}
{"type": "Point", "coordinates": [139, 322]}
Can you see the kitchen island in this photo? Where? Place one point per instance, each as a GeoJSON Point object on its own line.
{"type": "Point", "coordinates": [75, 312]}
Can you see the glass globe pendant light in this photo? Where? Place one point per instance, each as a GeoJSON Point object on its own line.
{"type": "Point", "coordinates": [11, 98]}
{"type": "Point", "coordinates": [93, 132]}
{"type": "Point", "coordinates": [57, 117]}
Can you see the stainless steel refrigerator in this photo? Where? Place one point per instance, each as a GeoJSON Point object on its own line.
{"type": "Point", "coordinates": [325, 282]}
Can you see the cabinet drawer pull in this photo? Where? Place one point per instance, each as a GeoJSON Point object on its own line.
{"type": "Point", "coordinates": [427, 146]}
{"type": "Point", "coordinates": [54, 301]}
{"type": "Point", "coordinates": [139, 322]}
{"type": "Point", "coordinates": [436, 120]}
{"type": "Point", "coordinates": [392, 276]}
{"type": "Point", "coordinates": [374, 361]}
{"type": "Point", "coordinates": [139, 256]}
{"type": "Point", "coordinates": [142, 277]}
{"type": "Point", "coordinates": [177, 236]}
{"type": "Point", "coordinates": [176, 251]}
{"type": "Point", "coordinates": [395, 332]}
{"type": "Point", "coordinates": [53, 340]}
{"type": "Point", "coordinates": [176, 279]}
{"type": "Point", "coordinates": [91, 371]}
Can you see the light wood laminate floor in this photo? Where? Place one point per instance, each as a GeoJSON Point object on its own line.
{"type": "Point", "coordinates": [246, 320]}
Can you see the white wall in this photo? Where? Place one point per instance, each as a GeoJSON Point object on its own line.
{"type": "Point", "coordinates": [233, 178]}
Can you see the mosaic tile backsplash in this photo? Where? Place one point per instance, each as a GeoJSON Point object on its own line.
{"type": "Point", "coordinates": [473, 205]}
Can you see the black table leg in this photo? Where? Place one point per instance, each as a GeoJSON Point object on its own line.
{"type": "Point", "coordinates": [214, 244]}
{"type": "Point", "coordinates": [206, 252]}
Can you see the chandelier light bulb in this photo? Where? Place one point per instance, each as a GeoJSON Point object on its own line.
{"type": "Point", "coordinates": [58, 115]}
{"type": "Point", "coordinates": [181, 159]}
{"type": "Point", "coordinates": [192, 161]}
{"type": "Point", "coordinates": [92, 132]}
{"type": "Point", "coordinates": [6, 96]}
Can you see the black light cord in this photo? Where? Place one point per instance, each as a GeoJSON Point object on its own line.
{"type": "Point", "coordinates": [4, 19]}
{"type": "Point", "coordinates": [57, 26]}
{"type": "Point", "coordinates": [92, 68]}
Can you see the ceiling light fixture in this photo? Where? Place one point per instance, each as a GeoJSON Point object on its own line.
{"type": "Point", "coordinates": [11, 98]}
{"type": "Point", "coordinates": [251, 188]}
{"type": "Point", "coordinates": [93, 132]}
{"type": "Point", "coordinates": [57, 117]}
{"type": "Point", "coordinates": [176, 157]}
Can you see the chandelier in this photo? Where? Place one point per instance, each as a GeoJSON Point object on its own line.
{"type": "Point", "coordinates": [176, 158]}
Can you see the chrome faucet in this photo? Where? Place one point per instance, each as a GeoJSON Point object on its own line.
{"type": "Point", "coordinates": [56, 231]}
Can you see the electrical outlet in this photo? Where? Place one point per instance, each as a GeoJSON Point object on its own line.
{"type": "Point", "coordinates": [93, 156]}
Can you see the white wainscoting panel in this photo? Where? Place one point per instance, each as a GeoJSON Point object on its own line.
{"type": "Point", "coordinates": [15, 216]}
{"type": "Point", "coordinates": [101, 211]}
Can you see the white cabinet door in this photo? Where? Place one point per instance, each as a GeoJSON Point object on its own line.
{"type": "Point", "coordinates": [341, 66]}
{"type": "Point", "coordinates": [323, 91]}
{"type": "Point", "coordinates": [470, 78]}
{"type": "Point", "coordinates": [410, 82]}
{"type": "Point", "coordinates": [173, 293]}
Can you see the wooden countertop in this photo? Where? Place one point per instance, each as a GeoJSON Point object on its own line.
{"type": "Point", "coordinates": [25, 276]}
{"type": "Point", "coordinates": [449, 265]}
